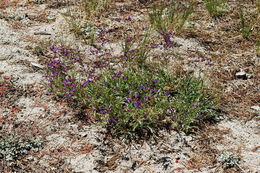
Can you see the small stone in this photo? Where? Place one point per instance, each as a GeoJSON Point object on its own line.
{"type": "Point", "coordinates": [2, 58]}
{"type": "Point", "coordinates": [210, 26]}
{"type": "Point", "coordinates": [257, 108]}
{"type": "Point", "coordinates": [83, 134]}
{"type": "Point", "coordinates": [37, 65]}
{"type": "Point", "coordinates": [42, 33]}
{"type": "Point", "coordinates": [26, 21]}
{"type": "Point", "coordinates": [241, 75]}
{"type": "Point", "coordinates": [30, 158]}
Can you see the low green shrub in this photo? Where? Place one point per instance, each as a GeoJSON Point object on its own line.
{"type": "Point", "coordinates": [131, 100]}
{"type": "Point", "coordinates": [12, 148]}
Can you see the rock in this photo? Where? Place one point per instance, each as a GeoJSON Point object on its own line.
{"type": "Point", "coordinates": [41, 33]}
{"type": "Point", "coordinates": [257, 108]}
{"type": "Point", "coordinates": [2, 58]}
{"type": "Point", "coordinates": [37, 65]}
{"type": "Point", "coordinates": [83, 134]}
{"type": "Point", "coordinates": [30, 158]}
{"type": "Point", "coordinates": [26, 21]}
{"type": "Point", "coordinates": [242, 75]}
{"type": "Point", "coordinates": [210, 26]}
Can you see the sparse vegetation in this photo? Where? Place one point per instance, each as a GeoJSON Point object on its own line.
{"type": "Point", "coordinates": [170, 16]}
{"type": "Point", "coordinates": [228, 159]}
{"type": "Point", "coordinates": [11, 148]}
{"type": "Point", "coordinates": [93, 7]}
{"type": "Point", "coordinates": [216, 8]}
{"type": "Point", "coordinates": [248, 21]}
{"type": "Point", "coordinates": [246, 27]}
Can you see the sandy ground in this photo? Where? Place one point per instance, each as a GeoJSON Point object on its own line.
{"type": "Point", "coordinates": [69, 145]}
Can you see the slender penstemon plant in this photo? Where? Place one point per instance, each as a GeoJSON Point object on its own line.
{"type": "Point", "coordinates": [247, 24]}
{"type": "Point", "coordinates": [130, 101]}
{"type": "Point", "coordinates": [93, 7]}
{"type": "Point", "coordinates": [169, 17]}
{"type": "Point", "coordinates": [137, 53]}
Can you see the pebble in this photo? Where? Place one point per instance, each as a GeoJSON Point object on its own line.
{"type": "Point", "coordinates": [257, 108]}
{"type": "Point", "coordinates": [242, 75]}
{"type": "Point", "coordinates": [37, 65]}
{"type": "Point", "coordinates": [210, 26]}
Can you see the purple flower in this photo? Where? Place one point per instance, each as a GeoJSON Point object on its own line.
{"type": "Point", "coordinates": [69, 95]}
{"type": "Point", "coordinates": [104, 83]}
{"type": "Point", "coordinates": [146, 98]}
{"type": "Point", "coordinates": [109, 106]}
{"type": "Point", "coordinates": [171, 109]}
{"type": "Point", "coordinates": [124, 58]}
{"type": "Point", "coordinates": [72, 85]}
{"type": "Point", "coordinates": [137, 95]}
{"type": "Point", "coordinates": [77, 60]}
{"type": "Point", "coordinates": [103, 111]}
{"type": "Point", "coordinates": [143, 87]}
{"type": "Point", "coordinates": [167, 38]}
{"type": "Point", "coordinates": [200, 59]}
{"type": "Point", "coordinates": [54, 74]}
{"type": "Point", "coordinates": [117, 19]}
{"type": "Point", "coordinates": [167, 93]}
{"type": "Point", "coordinates": [145, 28]}
{"type": "Point", "coordinates": [65, 82]}
{"type": "Point", "coordinates": [138, 105]}
{"type": "Point", "coordinates": [54, 49]}
{"type": "Point", "coordinates": [128, 99]}
{"type": "Point", "coordinates": [154, 46]}
{"type": "Point", "coordinates": [112, 121]}
{"type": "Point", "coordinates": [208, 63]}
{"type": "Point", "coordinates": [65, 53]}
{"type": "Point", "coordinates": [100, 35]}
{"type": "Point", "coordinates": [86, 82]}
{"type": "Point", "coordinates": [94, 51]}
{"type": "Point", "coordinates": [96, 78]}
{"type": "Point", "coordinates": [153, 90]}
{"type": "Point", "coordinates": [155, 81]}
{"type": "Point", "coordinates": [117, 74]}
{"type": "Point", "coordinates": [129, 40]}
{"type": "Point", "coordinates": [121, 8]}
{"type": "Point", "coordinates": [129, 18]}
{"type": "Point", "coordinates": [199, 117]}
{"type": "Point", "coordinates": [196, 105]}
{"type": "Point", "coordinates": [134, 56]}
{"type": "Point", "coordinates": [129, 51]}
